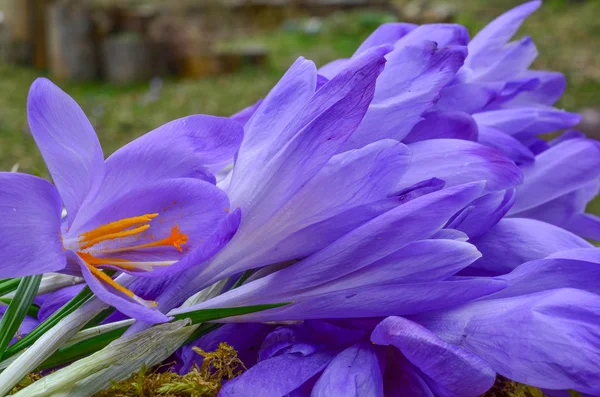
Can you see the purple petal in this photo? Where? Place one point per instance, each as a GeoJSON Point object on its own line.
{"type": "Point", "coordinates": [497, 33]}
{"type": "Point", "coordinates": [436, 125]}
{"type": "Point", "coordinates": [117, 299]}
{"type": "Point", "coordinates": [548, 89]}
{"type": "Point", "coordinates": [30, 238]}
{"type": "Point", "coordinates": [380, 300]}
{"type": "Point", "coordinates": [319, 235]}
{"type": "Point", "coordinates": [55, 300]}
{"type": "Point", "coordinates": [549, 339]}
{"type": "Point", "coordinates": [388, 33]}
{"type": "Point", "coordinates": [468, 97]}
{"type": "Point", "coordinates": [308, 141]}
{"type": "Point", "coordinates": [399, 102]}
{"type": "Point", "coordinates": [442, 34]}
{"type": "Point", "coordinates": [179, 149]}
{"type": "Point", "coordinates": [354, 372]}
{"type": "Point", "coordinates": [578, 268]}
{"type": "Point", "coordinates": [559, 170]}
{"type": "Point", "coordinates": [527, 120]}
{"type": "Point", "coordinates": [506, 144]}
{"type": "Point", "coordinates": [568, 212]}
{"type": "Point", "coordinates": [456, 161]}
{"type": "Point", "coordinates": [67, 142]}
{"type": "Point", "coordinates": [483, 213]}
{"type": "Point", "coordinates": [384, 235]}
{"type": "Point", "coordinates": [277, 376]}
{"type": "Point", "coordinates": [509, 62]}
{"type": "Point", "coordinates": [515, 241]}
{"type": "Point", "coordinates": [348, 180]}
{"type": "Point", "coordinates": [451, 371]}
{"type": "Point", "coordinates": [401, 378]}
{"type": "Point", "coordinates": [244, 115]}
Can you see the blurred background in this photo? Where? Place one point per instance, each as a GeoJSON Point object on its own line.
{"type": "Point", "coordinates": [134, 65]}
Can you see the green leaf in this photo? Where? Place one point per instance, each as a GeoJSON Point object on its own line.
{"type": "Point", "coordinates": [82, 349]}
{"type": "Point", "coordinates": [103, 315]}
{"type": "Point", "coordinates": [68, 308]}
{"type": "Point", "coordinates": [17, 309]}
{"type": "Point", "coordinates": [32, 311]}
{"type": "Point", "coordinates": [202, 316]}
{"type": "Point", "coordinates": [8, 285]}
{"type": "Point", "coordinates": [92, 345]}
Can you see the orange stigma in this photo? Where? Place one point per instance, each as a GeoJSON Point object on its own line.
{"type": "Point", "coordinates": [121, 229]}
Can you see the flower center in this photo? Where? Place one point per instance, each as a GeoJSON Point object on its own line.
{"type": "Point", "coordinates": [94, 257]}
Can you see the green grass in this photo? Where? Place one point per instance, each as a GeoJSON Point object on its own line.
{"type": "Point", "coordinates": [564, 32]}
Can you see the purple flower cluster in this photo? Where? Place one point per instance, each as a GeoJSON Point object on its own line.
{"type": "Point", "coordinates": [401, 201]}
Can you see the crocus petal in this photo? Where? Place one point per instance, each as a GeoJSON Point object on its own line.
{"type": "Point", "coordinates": [401, 378]}
{"type": "Point", "coordinates": [527, 120]}
{"type": "Point", "coordinates": [456, 161]}
{"type": "Point", "coordinates": [348, 180]}
{"type": "Point", "coordinates": [549, 339]}
{"type": "Point", "coordinates": [380, 300]}
{"type": "Point", "coordinates": [559, 170]}
{"type": "Point", "coordinates": [305, 145]}
{"type": "Point", "coordinates": [54, 300]}
{"type": "Point", "coordinates": [399, 102]}
{"type": "Point", "coordinates": [468, 97]}
{"type": "Point", "coordinates": [483, 213]}
{"type": "Point", "coordinates": [115, 298]}
{"type": "Point", "coordinates": [277, 376]}
{"type": "Point", "coordinates": [506, 144]}
{"type": "Point", "coordinates": [276, 111]}
{"type": "Point", "coordinates": [30, 235]}
{"type": "Point", "coordinates": [451, 371]}
{"type": "Point", "coordinates": [515, 241]}
{"type": "Point", "coordinates": [384, 235]}
{"type": "Point", "coordinates": [182, 148]}
{"type": "Point", "coordinates": [578, 268]}
{"type": "Point", "coordinates": [568, 212]}
{"type": "Point", "coordinates": [436, 125]}
{"type": "Point", "coordinates": [319, 235]}
{"type": "Point", "coordinates": [388, 33]}
{"type": "Point", "coordinates": [244, 115]}
{"type": "Point", "coordinates": [421, 261]}
{"type": "Point", "coordinates": [354, 372]}
{"type": "Point", "coordinates": [67, 142]}
{"type": "Point", "coordinates": [498, 32]}
{"type": "Point", "coordinates": [510, 61]}
{"type": "Point", "coordinates": [548, 89]}
{"type": "Point", "coordinates": [443, 34]}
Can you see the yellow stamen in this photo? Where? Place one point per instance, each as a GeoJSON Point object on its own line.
{"type": "Point", "coordinates": [108, 280]}
{"type": "Point", "coordinates": [176, 239]}
{"type": "Point", "coordinates": [116, 226]}
{"type": "Point", "coordinates": [115, 262]}
{"type": "Point", "coordinates": [112, 236]}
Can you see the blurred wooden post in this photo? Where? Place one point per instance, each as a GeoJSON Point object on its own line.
{"type": "Point", "coordinates": [20, 30]}
{"type": "Point", "coordinates": [71, 47]}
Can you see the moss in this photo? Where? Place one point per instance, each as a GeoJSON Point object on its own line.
{"type": "Point", "coordinates": [28, 380]}
{"type": "Point", "coordinates": [204, 381]}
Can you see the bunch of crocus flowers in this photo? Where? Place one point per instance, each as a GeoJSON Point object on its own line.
{"type": "Point", "coordinates": [391, 224]}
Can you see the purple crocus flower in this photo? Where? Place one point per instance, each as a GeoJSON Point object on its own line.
{"type": "Point", "coordinates": [300, 189]}
{"type": "Point", "coordinates": [151, 209]}
{"type": "Point", "coordinates": [496, 100]}
{"type": "Point", "coordinates": [547, 303]}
